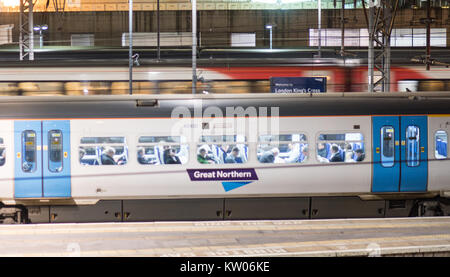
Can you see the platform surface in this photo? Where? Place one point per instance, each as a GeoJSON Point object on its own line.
{"type": "Point", "coordinates": [338, 237]}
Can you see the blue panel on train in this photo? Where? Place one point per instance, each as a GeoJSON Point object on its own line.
{"type": "Point", "coordinates": [414, 151]}
{"type": "Point", "coordinates": [56, 158]}
{"type": "Point", "coordinates": [28, 159]}
{"type": "Point", "coordinates": [386, 153]}
{"type": "Point", "coordinates": [227, 186]}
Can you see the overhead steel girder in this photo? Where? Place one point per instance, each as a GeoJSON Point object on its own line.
{"type": "Point", "coordinates": [26, 36]}
{"type": "Point", "coordinates": [380, 21]}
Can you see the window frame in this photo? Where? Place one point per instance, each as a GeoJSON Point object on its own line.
{"type": "Point", "coordinates": [338, 132]}
{"type": "Point", "coordinates": [278, 142]}
{"type": "Point", "coordinates": [124, 144]}
{"type": "Point", "coordinates": [435, 145]}
{"type": "Point", "coordinates": [153, 144]}
{"type": "Point", "coordinates": [200, 143]}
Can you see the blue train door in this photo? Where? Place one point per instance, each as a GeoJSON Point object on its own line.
{"type": "Point", "coordinates": [399, 153]}
{"type": "Point", "coordinates": [42, 162]}
{"type": "Point", "coordinates": [414, 148]}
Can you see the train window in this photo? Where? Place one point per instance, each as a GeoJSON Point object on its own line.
{"type": "Point", "coordinates": [387, 146]}
{"type": "Point", "coordinates": [291, 148]}
{"type": "Point", "coordinates": [341, 147]}
{"type": "Point", "coordinates": [2, 153]}
{"type": "Point", "coordinates": [28, 151]}
{"type": "Point", "coordinates": [440, 150]}
{"type": "Point", "coordinates": [55, 149]}
{"type": "Point", "coordinates": [222, 149]}
{"type": "Point", "coordinates": [159, 150]}
{"type": "Point", "coordinates": [103, 151]}
{"type": "Point", "coordinates": [412, 146]}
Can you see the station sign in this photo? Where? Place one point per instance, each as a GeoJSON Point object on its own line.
{"type": "Point", "coordinates": [298, 84]}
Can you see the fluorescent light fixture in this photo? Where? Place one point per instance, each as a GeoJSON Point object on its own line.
{"type": "Point", "coordinates": [44, 27]}
{"type": "Point", "coordinates": [268, 26]}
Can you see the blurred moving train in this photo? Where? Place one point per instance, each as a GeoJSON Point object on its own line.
{"type": "Point", "coordinates": [239, 78]}
{"type": "Point", "coordinates": [215, 157]}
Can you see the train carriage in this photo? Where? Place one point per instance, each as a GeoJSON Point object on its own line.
{"type": "Point", "coordinates": [246, 156]}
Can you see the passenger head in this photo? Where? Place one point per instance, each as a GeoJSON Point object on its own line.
{"type": "Point", "coordinates": [320, 145]}
{"type": "Point", "coordinates": [140, 151]}
{"type": "Point", "coordinates": [348, 147]}
{"type": "Point", "coordinates": [235, 151]}
{"type": "Point", "coordinates": [202, 152]}
{"type": "Point", "coordinates": [359, 152]}
{"type": "Point", "coordinates": [172, 152]}
{"type": "Point", "coordinates": [82, 152]}
{"type": "Point", "coordinates": [334, 148]}
{"type": "Point", "coordinates": [109, 151]}
{"type": "Point", "coordinates": [275, 151]}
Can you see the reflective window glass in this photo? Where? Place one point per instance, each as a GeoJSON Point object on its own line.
{"type": "Point", "coordinates": [412, 146]}
{"type": "Point", "coordinates": [286, 148]}
{"type": "Point", "coordinates": [28, 151]}
{"type": "Point", "coordinates": [387, 146]}
{"type": "Point", "coordinates": [160, 150]}
{"type": "Point", "coordinates": [103, 151]}
{"type": "Point", "coordinates": [440, 150]}
{"type": "Point", "coordinates": [2, 153]}
{"type": "Point", "coordinates": [222, 149]}
{"type": "Point", "coordinates": [55, 149]}
{"type": "Point", "coordinates": [340, 147]}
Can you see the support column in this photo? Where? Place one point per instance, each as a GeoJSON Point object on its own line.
{"type": "Point", "coordinates": [26, 36]}
{"type": "Point", "coordinates": [380, 22]}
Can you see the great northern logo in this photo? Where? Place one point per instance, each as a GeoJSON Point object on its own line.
{"type": "Point", "coordinates": [236, 177]}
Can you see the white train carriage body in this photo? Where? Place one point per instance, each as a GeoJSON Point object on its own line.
{"type": "Point", "coordinates": [62, 158]}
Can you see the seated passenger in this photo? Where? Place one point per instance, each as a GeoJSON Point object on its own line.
{"type": "Point", "coordinates": [233, 157]}
{"type": "Point", "coordinates": [107, 157]}
{"type": "Point", "coordinates": [348, 153]}
{"type": "Point", "coordinates": [3, 157]}
{"type": "Point", "coordinates": [335, 154]}
{"type": "Point", "coordinates": [141, 156]}
{"type": "Point", "coordinates": [321, 150]}
{"type": "Point", "coordinates": [359, 155]}
{"type": "Point", "coordinates": [269, 156]}
{"type": "Point", "coordinates": [305, 154]}
{"type": "Point", "coordinates": [203, 158]}
{"type": "Point", "coordinates": [170, 157]}
{"type": "Point", "coordinates": [82, 152]}
{"type": "Point", "coordinates": [294, 154]}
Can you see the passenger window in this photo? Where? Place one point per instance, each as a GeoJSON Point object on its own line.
{"type": "Point", "coordinates": [103, 151]}
{"type": "Point", "coordinates": [291, 148]}
{"type": "Point", "coordinates": [55, 148]}
{"type": "Point", "coordinates": [387, 146]}
{"type": "Point", "coordinates": [159, 150]}
{"type": "Point", "coordinates": [2, 152]}
{"type": "Point", "coordinates": [341, 147]}
{"type": "Point", "coordinates": [222, 149]}
{"type": "Point", "coordinates": [412, 146]}
{"type": "Point", "coordinates": [28, 151]}
{"type": "Point", "coordinates": [440, 151]}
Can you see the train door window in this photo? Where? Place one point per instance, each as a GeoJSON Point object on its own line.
{"type": "Point", "coordinates": [103, 151]}
{"type": "Point", "coordinates": [340, 147]}
{"type": "Point", "coordinates": [412, 146]}
{"type": "Point", "coordinates": [29, 151]}
{"type": "Point", "coordinates": [55, 149]}
{"type": "Point", "coordinates": [440, 151]}
{"type": "Point", "coordinates": [387, 146]}
{"type": "Point", "coordinates": [160, 150]}
{"type": "Point", "coordinates": [222, 149]}
{"type": "Point", "coordinates": [289, 148]}
{"type": "Point", "coordinates": [2, 152]}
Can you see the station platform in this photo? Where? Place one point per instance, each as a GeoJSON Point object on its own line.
{"type": "Point", "coordinates": [279, 238]}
